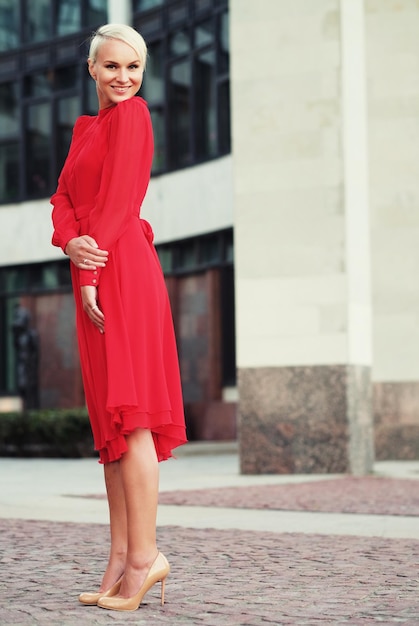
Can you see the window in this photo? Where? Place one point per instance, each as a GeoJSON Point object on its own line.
{"type": "Point", "coordinates": [71, 16]}
{"type": "Point", "coordinates": [186, 83]}
{"type": "Point", "coordinates": [38, 140]}
{"type": "Point", "coordinates": [44, 86]}
{"type": "Point", "coordinates": [9, 24]}
{"type": "Point", "coordinates": [197, 253]}
{"type": "Point", "coordinates": [194, 259]}
{"type": "Point", "coordinates": [24, 284]}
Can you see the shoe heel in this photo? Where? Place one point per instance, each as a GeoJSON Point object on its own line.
{"type": "Point", "coordinates": [163, 584]}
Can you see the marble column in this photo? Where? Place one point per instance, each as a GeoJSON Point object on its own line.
{"type": "Point", "coordinates": [302, 236]}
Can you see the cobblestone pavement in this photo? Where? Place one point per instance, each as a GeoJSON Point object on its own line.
{"type": "Point", "coordinates": [348, 494]}
{"type": "Point", "coordinates": [218, 578]}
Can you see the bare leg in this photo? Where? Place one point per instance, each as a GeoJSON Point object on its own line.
{"type": "Point", "coordinates": [140, 478]}
{"type": "Point", "coordinates": [118, 525]}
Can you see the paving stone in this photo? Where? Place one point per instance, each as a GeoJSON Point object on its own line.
{"type": "Point", "coordinates": [219, 577]}
{"type": "Point", "coordinates": [349, 494]}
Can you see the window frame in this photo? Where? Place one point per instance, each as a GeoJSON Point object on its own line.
{"type": "Point", "coordinates": [158, 25]}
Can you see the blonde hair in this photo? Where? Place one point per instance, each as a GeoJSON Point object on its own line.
{"type": "Point", "coordinates": [122, 32]}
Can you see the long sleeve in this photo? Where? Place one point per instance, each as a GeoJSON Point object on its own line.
{"type": "Point", "coordinates": [65, 223]}
{"type": "Point", "coordinates": [64, 220]}
{"type": "Point", "coordinates": [125, 177]}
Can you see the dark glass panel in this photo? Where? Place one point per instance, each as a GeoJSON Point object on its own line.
{"type": "Point", "coordinates": [91, 93]}
{"type": "Point", "coordinates": [39, 84]}
{"type": "Point", "coordinates": [9, 171]}
{"type": "Point", "coordinates": [180, 114]}
{"type": "Point", "coordinates": [145, 5]}
{"type": "Point", "coordinates": [64, 274]}
{"type": "Point", "coordinates": [16, 279]}
{"type": "Point", "coordinates": [201, 6]}
{"type": "Point", "coordinates": [229, 249]}
{"type": "Point", "coordinates": [166, 258]}
{"type": "Point", "coordinates": [38, 140]}
{"type": "Point", "coordinates": [186, 255]}
{"type": "Point", "coordinates": [224, 43]}
{"type": "Point", "coordinates": [97, 12]}
{"type": "Point", "coordinates": [210, 250]}
{"type": "Point", "coordinates": [9, 109]}
{"type": "Point", "coordinates": [153, 84]}
{"type": "Point", "coordinates": [178, 13]}
{"type": "Point", "coordinates": [206, 109]}
{"type": "Point", "coordinates": [66, 77]}
{"type": "Point", "coordinates": [10, 305]}
{"type": "Point", "coordinates": [204, 33]}
{"type": "Point", "coordinates": [68, 111]}
{"type": "Point", "coordinates": [68, 16]}
{"type": "Point", "coordinates": [224, 142]}
{"type": "Point", "coordinates": [38, 20]}
{"type": "Point", "coordinates": [159, 160]}
{"type": "Point", "coordinates": [228, 334]}
{"type": "Point", "coordinates": [9, 24]}
{"type": "Point", "coordinates": [180, 43]}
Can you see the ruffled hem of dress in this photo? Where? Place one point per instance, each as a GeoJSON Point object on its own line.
{"type": "Point", "coordinates": [166, 435]}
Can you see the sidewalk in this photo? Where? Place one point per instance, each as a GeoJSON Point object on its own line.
{"type": "Point", "coordinates": [231, 564]}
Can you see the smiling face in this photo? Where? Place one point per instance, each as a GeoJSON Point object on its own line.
{"type": "Point", "coordinates": [117, 71]}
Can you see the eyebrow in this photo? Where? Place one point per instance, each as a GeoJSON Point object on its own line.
{"type": "Point", "coordinates": [116, 63]}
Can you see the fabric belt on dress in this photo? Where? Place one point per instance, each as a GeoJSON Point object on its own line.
{"type": "Point", "coordinates": [83, 211]}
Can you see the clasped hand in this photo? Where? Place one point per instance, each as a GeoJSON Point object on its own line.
{"type": "Point", "coordinates": [85, 254]}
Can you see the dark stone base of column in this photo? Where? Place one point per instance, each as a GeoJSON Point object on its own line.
{"type": "Point", "coordinates": [306, 420]}
{"type": "Point", "coordinates": [396, 420]}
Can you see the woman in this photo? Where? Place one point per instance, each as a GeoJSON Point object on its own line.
{"type": "Point", "coordinates": [124, 325]}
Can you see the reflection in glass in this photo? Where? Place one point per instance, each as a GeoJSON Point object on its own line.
{"type": "Point", "coordinates": [166, 258]}
{"type": "Point", "coordinates": [38, 84]}
{"type": "Point", "coordinates": [204, 33]}
{"type": "Point", "coordinates": [180, 114]}
{"type": "Point", "coordinates": [38, 139]}
{"type": "Point", "coordinates": [97, 12]}
{"type": "Point", "coordinates": [224, 139]}
{"type": "Point", "coordinates": [206, 109]}
{"type": "Point", "coordinates": [152, 88]}
{"type": "Point", "coordinates": [159, 161]}
{"type": "Point", "coordinates": [9, 110]}
{"type": "Point", "coordinates": [9, 171]}
{"type": "Point", "coordinates": [9, 24]}
{"type": "Point", "coordinates": [145, 5]}
{"type": "Point", "coordinates": [91, 93]}
{"type": "Point", "coordinates": [69, 16]}
{"type": "Point", "coordinates": [38, 20]}
{"type": "Point", "coordinates": [224, 44]}
{"type": "Point", "coordinates": [68, 110]}
{"type": "Point", "coordinates": [180, 43]}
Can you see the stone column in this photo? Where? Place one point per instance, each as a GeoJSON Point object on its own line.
{"type": "Point", "coordinates": [392, 53]}
{"type": "Point", "coordinates": [301, 236]}
{"type": "Point", "coordinates": [120, 12]}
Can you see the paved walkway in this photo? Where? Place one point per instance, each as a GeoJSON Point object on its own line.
{"type": "Point", "coordinates": [230, 565]}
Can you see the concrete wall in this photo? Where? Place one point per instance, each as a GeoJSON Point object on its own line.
{"type": "Point", "coordinates": [291, 186]}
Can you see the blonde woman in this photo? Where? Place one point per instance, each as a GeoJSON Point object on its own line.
{"type": "Point", "coordinates": [125, 334]}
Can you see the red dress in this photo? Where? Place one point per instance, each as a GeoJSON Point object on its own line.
{"type": "Point", "coordinates": [131, 372]}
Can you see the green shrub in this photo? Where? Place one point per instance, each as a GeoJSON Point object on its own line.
{"type": "Point", "coordinates": [63, 433]}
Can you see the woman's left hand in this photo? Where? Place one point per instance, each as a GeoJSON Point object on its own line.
{"type": "Point", "coordinates": [91, 307]}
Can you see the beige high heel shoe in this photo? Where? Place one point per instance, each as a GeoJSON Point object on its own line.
{"type": "Point", "coordinates": [90, 599]}
{"type": "Point", "coordinates": [158, 571]}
